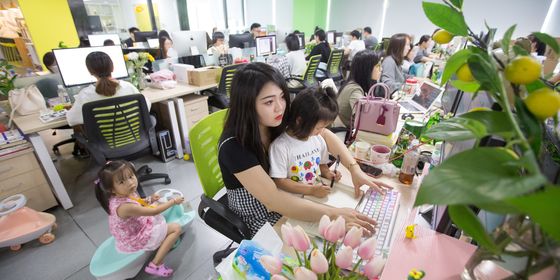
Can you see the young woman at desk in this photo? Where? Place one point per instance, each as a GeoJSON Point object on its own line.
{"type": "Point", "coordinates": [423, 55]}
{"type": "Point", "coordinates": [166, 48]}
{"type": "Point", "coordinates": [99, 65]}
{"type": "Point", "coordinates": [364, 72]}
{"type": "Point", "coordinates": [259, 102]}
{"type": "Point", "coordinates": [392, 73]}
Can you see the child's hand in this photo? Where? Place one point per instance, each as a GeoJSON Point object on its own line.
{"type": "Point", "coordinates": [334, 174]}
{"type": "Point", "coordinates": [320, 190]}
{"type": "Point", "coordinates": [178, 200]}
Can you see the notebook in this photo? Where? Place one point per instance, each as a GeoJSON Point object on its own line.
{"type": "Point", "coordinates": [423, 100]}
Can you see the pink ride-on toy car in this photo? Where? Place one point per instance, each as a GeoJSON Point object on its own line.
{"type": "Point", "coordinates": [20, 224]}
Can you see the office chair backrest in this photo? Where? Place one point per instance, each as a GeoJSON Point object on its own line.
{"type": "Point", "coordinates": [204, 138]}
{"type": "Point", "coordinates": [48, 87]}
{"type": "Point", "coordinates": [227, 77]}
{"type": "Point", "coordinates": [312, 65]}
{"type": "Point", "coordinates": [119, 127]}
{"type": "Point", "coordinates": [334, 64]}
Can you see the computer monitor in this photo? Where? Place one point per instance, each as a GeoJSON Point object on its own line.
{"type": "Point", "coordinates": [72, 64]}
{"type": "Point", "coordinates": [97, 40]}
{"type": "Point", "coordinates": [240, 40]}
{"type": "Point", "coordinates": [189, 42]}
{"type": "Point", "coordinates": [301, 38]}
{"type": "Point", "coordinates": [266, 45]}
{"type": "Point", "coordinates": [331, 37]}
{"type": "Point", "coordinates": [143, 36]}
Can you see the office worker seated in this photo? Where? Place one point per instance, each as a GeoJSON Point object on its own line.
{"type": "Point", "coordinates": [99, 65]}
{"type": "Point", "coordinates": [295, 55]}
{"type": "Point", "coordinates": [130, 41]}
{"type": "Point", "coordinates": [422, 55]}
{"type": "Point", "coordinates": [392, 73]}
{"type": "Point", "coordinates": [108, 42]}
{"type": "Point", "coordinates": [255, 31]}
{"type": "Point", "coordinates": [259, 105]}
{"type": "Point", "coordinates": [50, 62]}
{"type": "Point", "coordinates": [408, 61]}
{"type": "Point", "coordinates": [355, 45]}
{"type": "Point", "coordinates": [323, 48]}
{"type": "Point", "coordinates": [166, 48]}
{"type": "Point", "coordinates": [364, 73]}
{"type": "Point", "coordinates": [369, 40]}
{"type": "Point", "coordinates": [218, 45]}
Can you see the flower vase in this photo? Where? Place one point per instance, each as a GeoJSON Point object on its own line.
{"type": "Point", "coordinates": [140, 79]}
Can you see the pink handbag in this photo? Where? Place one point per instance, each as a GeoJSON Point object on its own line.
{"type": "Point", "coordinates": [376, 114]}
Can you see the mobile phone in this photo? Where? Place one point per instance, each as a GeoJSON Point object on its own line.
{"type": "Point", "coordinates": [370, 170]}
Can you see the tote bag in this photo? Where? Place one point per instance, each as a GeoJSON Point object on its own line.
{"type": "Point", "coordinates": [26, 101]}
{"type": "Point", "coordinates": [375, 114]}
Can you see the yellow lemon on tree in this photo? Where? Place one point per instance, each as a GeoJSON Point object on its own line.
{"type": "Point", "coordinates": [480, 109]}
{"type": "Point", "coordinates": [523, 70]}
{"type": "Point", "coordinates": [543, 103]}
{"type": "Point", "coordinates": [442, 37]}
{"type": "Point", "coordinates": [464, 73]}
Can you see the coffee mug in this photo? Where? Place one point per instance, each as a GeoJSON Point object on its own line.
{"type": "Point", "coordinates": [362, 149]}
{"type": "Point", "coordinates": [379, 154]}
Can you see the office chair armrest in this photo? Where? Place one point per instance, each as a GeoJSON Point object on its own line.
{"type": "Point", "coordinates": [224, 212]}
{"type": "Point", "coordinates": [323, 70]}
{"type": "Point", "coordinates": [300, 81]}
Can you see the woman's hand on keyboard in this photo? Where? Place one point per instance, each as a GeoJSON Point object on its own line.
{"type": "Point", "coordinates": [354, 218]}
{"type": "Point", "coordinates": [359, 178]}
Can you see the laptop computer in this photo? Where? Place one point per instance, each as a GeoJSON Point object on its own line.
{"type": "Point", "coordinates": [153, 43]}
{"type": "Point", "coordinates": [422, 100]}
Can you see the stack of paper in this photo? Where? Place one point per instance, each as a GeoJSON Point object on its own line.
{"type": "Point", "coordinates": [12, 141]}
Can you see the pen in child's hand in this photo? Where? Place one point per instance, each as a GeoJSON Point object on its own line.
{"type": "Point", "coordinates": [335, 167]}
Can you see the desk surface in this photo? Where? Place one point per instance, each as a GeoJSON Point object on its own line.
{"type": "Point", "coordinates": [31, 123]}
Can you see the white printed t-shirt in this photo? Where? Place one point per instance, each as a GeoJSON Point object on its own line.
{"type": "Point", "coordinates": [296, 159]}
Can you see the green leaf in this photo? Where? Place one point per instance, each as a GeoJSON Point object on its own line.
{"type": "Point", "coordinates": [466, 220]}
{"type": "Point", "coordinates": [519, 50]}
{"type": "Point", "coordinates": [535, 85]}
{"type": "Point", "coordinates": [457, 3]}
{"type": "Point", "coordinates": [530, 126]}
{"type": "Point", "coordinates": [466, 86]}
{"type": "Point", "coordinates": [496, 123]}
{"type": "Point", "coordinates": [453, 63]}
{"type": "Point", "coordinates": [499, 207]}
{"type": "Point", "coordinates": [456, 129]}
{"type": "Point", "coordinates": [544, 208]}
{"type": "Point", "coordinates": [507, 39]}
{"type": "Point", "coordinates": [547, 39]}
{"type": "Point", "coordinates": [479, 175]}
{"type": "Point", "coordinates": [484, 72]}
{"type": "Point", "coordinates": [446, 18]}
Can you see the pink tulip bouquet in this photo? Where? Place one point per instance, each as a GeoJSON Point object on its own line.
{"type": "Point", "coordinates": [333, 261]}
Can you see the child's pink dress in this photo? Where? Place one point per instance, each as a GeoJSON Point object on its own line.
{"type": "Point", "coordinates": [135, 233]}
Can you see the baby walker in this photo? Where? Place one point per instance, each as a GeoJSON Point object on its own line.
{"type": "Point", "coordinates": [20, 224]}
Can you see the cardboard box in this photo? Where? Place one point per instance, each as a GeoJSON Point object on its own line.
{"type": "Point", "coordinates": [182, 72]}
{"type": "Point", "coordinates": [204, 76]}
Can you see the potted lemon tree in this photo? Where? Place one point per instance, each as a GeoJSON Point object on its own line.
{"type": "Point", "coordinates": [506, 180]}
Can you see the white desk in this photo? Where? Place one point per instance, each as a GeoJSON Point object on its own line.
{"type": "Point", "coordinates": [31, 125]}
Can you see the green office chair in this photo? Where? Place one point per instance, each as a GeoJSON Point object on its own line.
{"type": "Point", "coordinates": [204, 138]}
{"type": "Point", "coordinates": [120, 128]}
{"type": "Point", "coordinates": [334, 67]}
{"type": "Point", "coordinates": [220, 99]}
{"type": "Point", "coordinates": [308, 79]}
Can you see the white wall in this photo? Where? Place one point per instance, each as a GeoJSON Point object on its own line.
{"type": "Point", "coordinates": [284, 15]}
{"type": "Point", "coordinates": [347, 15]}
{"type": "Point", "coordinates": [168, 16]}
{"type": "Point", "coordinates": [552, 23]}
{"type": "Point", "coordinates": [258, 11]}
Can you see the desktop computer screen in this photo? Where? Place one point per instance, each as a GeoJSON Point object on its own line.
{"type": "Point", "coordinates": [331, 37]}
{"type": "Point", "coordinates": [189, 42]}
{"type": "Point", "coordinates": [143, 36]}
{"type": "Point", "coordinates": [97, 40]}
{"type": "Point", "coordinates": [301, 38]}
{"type": "Point", "coordinates": [239, 40]}
{"type": "Point", "coordinates": [72, 64]}
{"type": "Point", "coordinates": [266, 45]}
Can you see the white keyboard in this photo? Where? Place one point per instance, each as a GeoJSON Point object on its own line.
{"type": "Point", "coordinates": [409, 106]}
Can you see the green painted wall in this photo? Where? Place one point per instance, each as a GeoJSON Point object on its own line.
{"type": "Point", "coordinates": [308, 14]}
{"type": "Point", "coordinates": [49, 22]}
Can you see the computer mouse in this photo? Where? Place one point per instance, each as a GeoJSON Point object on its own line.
{"type": "Point", "coordinates": [407, 116]}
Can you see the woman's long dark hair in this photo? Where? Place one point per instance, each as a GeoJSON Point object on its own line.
{"type": "Point", "coordinates": [242, 121]}
{"type": "Point", "coordinates": [100, 65]}
{"type": "Point", "coordinates": [162, 49]}
{"type": "Point", "coordinates": [106, 178]}
{"type": "Point", "coordinates": [396, 47]}
{"type": "Point", "coordinates": [361, 68]}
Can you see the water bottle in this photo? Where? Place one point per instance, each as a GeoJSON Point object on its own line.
{"type": "Point", "coordinates": [63, 95]}
{"type": "Point", "coordinates": [408, 168]}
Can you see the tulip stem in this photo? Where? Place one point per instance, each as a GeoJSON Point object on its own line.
{"type": "Point", "coordinates": [357, 265]}
{"type": "Point", "coordinates": [289, 268]}
{"type": "Point", "coordinates": [298, 257]}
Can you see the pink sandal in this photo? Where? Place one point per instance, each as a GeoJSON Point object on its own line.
{"type": "Point", "coordinates": [158, 270]}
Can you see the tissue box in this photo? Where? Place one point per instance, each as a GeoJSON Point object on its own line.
{"type": "Point", "coordinates": [204, 76]}
{"type": "Point", "coordinates": [182, 72]}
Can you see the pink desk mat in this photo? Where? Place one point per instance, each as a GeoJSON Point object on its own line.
{"type": "Point", "coordinates": [442, 257]}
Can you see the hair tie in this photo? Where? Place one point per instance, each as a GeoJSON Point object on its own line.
{"type": "Point", "coordinates": [97, 181]}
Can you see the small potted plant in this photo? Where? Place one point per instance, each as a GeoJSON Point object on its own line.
{"type": "Point", "coordinates": [7, 77]}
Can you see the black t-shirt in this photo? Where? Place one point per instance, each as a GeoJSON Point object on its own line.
{"type": "Point", "coordinates": [233, 158]}
{"type": "Point", "coordinates": [129, 43]}
{"type": "Point", "coordinates": [323, 49]}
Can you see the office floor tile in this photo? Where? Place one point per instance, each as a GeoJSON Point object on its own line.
{"type": "Point", "coordinates": [82, 274]}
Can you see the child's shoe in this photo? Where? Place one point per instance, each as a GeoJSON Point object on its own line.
{"type": "Point", "coordinates": [158, 270]}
